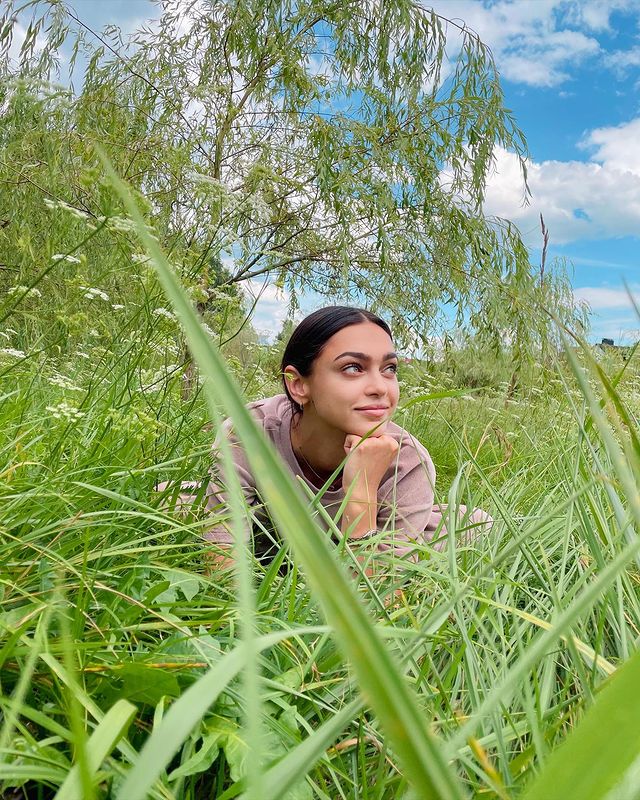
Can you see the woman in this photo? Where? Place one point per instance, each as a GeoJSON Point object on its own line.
{"type": "Point", "coordinates": [341, 389]}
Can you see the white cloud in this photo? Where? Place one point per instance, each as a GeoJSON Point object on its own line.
{"type": "Point", "coordinates": [544, 60]}
{"type": "Point", "coordinates": [536, 42]}
{"type": "Point", "coordinates": [271, 308]}
{"type": "Point", "coordinates": [616, 147]}
{"type": "Point", "coordinates": [629, 335]}
{"type": "Point", "coordinates": [18, 39]}
{"type": "Point", "coordinates": [623, 330]}
{"type": "Point", "coordinates": [595, 14]}
{"type": "Point", "coordinates": [621, 60]}
{"type": "Point", "coordinates": [602, 298]}
{"type": "Point", "coordinates": [531, 42]}
{"type": "Point", "coordinates": [578, 200]}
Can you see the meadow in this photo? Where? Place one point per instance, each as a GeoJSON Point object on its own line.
{"type": "Point", "coordinates": [129, 669]}
{"type": "Point", "coordinates": [501, 667]}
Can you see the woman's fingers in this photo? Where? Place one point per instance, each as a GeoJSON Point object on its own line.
{"type": "Point", "coordinates": [351, 440]}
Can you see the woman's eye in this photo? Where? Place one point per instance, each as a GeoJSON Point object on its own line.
{"type": "Point", "coordinates": [351, 368]}
{"type": "Point", "coordinates": [392, 368]}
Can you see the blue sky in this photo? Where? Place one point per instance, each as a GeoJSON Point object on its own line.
{"type": "Point", "coordinates": [571, 74]}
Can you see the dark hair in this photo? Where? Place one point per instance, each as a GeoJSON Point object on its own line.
{"type": "Point", "coordinates": [310, 336]}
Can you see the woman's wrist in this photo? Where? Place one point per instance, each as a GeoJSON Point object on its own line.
{"type": "Point", "coordinates": [359, 517]}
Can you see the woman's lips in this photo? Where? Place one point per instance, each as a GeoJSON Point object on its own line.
{"type": "Point", "coordinates": [375, 412]}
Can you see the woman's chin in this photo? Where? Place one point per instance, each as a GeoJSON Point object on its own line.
{"type": "Point", "coordinates": [371, 428]}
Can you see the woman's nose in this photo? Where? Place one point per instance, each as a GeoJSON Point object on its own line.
{"type": "Point", "coordinates": [376, 384]}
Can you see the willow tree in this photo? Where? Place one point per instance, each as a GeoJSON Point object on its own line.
{"type": "Point", "coordinates": [324, 146]}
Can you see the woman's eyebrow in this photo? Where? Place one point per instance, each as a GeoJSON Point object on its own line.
{"type": "Point", "coordinates": [364, 356]}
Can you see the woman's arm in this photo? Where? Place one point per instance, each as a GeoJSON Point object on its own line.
{"type": "Point", "coordinates": [367, 462]}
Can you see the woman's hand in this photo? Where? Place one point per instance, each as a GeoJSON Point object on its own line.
{"type": "Point", "coordinates": [367, 461]}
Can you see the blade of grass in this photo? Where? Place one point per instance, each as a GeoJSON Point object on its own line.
{"type": "Point", "coordinates": [187, 711]}
{"type": "Point", "coordinates": [542, 643]}
{"type": "Point", "coordinates": [158, 792]}
{"type": "Point", "coordinates": [104, 738]}
{"type": "Point", "coordinates": [281, 777]}
{"type": "Point", "coordinates": [377, 671]}
{"type": "Point", "coordinates": [596, 755]}
{"type": "Point", "coordinates": [36, 646]}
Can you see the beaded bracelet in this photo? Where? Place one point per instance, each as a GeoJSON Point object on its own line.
{"type": "Point", "coordinates": [367, 535]}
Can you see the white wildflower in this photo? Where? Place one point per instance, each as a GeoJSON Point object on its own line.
{"type": "Point", "coordinates": [63, 257]}
{"type": "Point", "coordinates": [219, 295]}
{"type": "Point", "coordinates": [208, 329]}
{"type": "Point", "coordinates": [126, 225]}
{"type": "Point", "coordinates": [80, 354]}
{"type": "Point", "coordinates": [121, 224]}
{"type": "Point", "coordinates": [117, 306]}
{"type": "Point", "coordinates": [24, 290]}
{"type": "Point", "coordinates": [60, 204]}
{"type": "Point", "coordinates": [93, 332]}
{"type": "Point", "coordinates": [64, 383]}
{"type": "Point", "coordinates": [91, 293]}
{"type": "Point", "coordinates": [140, 258]}
{"type": "Point", "coordinates": [65, 411]}
{"type": "Point", "coordinates": [153, 381]}
{"type": "Point", "coordinates": [164, 312]}
{"type": "Point", "coordinates": [198, 177]}
{"type": "Point", "coordinates": [197, 294]}
{"type": "Point", "coordinates": [259, 209]}
{"type": "Point", "coordinates": [10, 351]}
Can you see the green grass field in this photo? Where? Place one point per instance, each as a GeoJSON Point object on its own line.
{"type": "Point", "coordinates": [501, 668]}
{"type": "Point", "coordinates": [128, 670]}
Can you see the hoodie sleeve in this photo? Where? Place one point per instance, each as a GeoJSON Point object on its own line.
{"type": "Point", "coordinates": [405, 498]}
{"type": "Point", "coordinates": [216, 494]}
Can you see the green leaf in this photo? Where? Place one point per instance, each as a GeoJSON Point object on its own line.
{"type": "Point", "coordinates": [237, 753]}
{"type": "Point", "coordinates": [143, 684]}
{"type": "Point", "coordinates": [284, 776]}
{"type": "Point", "coordinates": [94, 710]}
{"type": "Point", "coordinates": [104, 738]}
{"type": "Point", "coordinates": [202, 759]}
{"type": "Point", "coordinates": [596, 756]}
{"type": "Point", "coordinates": [186, 713]}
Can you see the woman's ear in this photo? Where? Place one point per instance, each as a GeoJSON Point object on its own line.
{"type": "Point", "coordinates": [297, 386]}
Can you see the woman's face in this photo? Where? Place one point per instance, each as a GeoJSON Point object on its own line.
{"type": "Point", "coordinates": [353, 382]}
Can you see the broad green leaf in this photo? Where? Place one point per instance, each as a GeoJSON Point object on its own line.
{"type": "Point", "coordinates": [605, 744]}
{"type": "Point", "coordinates": [122, 745]}
{"type": "Point", "coordinates": [140, 683]}
{"type": "Point", "coordinates": [202, 759]}
{"type": "Point", "coordinates": [281, 777]}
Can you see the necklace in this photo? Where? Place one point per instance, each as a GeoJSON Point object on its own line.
{"type": "Point", "coordinates": [333, 486]}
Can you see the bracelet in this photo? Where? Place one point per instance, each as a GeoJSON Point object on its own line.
{"type": "Point", "coordinates": [367, 535]}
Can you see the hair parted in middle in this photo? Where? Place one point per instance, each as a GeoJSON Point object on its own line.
{"type": "Point", "coordinates": [310, 336]}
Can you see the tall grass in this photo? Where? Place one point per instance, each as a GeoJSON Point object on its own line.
{"type": "Point", "coordinates": [127, 667]}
